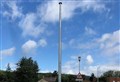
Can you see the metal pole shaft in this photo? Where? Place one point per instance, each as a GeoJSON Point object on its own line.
{"type": "Point", "coordinates": [97, 74]}
{"type": "Point", "coordinates": [60, 45]}
{"type": "Point", "coordinates": [79, 66]}
{"type": "Point", "coordinates": [1, 39]}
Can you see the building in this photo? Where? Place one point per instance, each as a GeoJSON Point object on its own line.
{"type": "Point", "coordinates": [48, 79]}
{"type": "Point", "coordinates": [113, 79]}
{"type": "Point", "coordinates": [42, 80]}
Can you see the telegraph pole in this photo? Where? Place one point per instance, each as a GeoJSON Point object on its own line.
{"type": "Point", "coordinates": [97, 74]}
{"type": "Point", "coordinates": [1, 38]}
{"type": "Point", "coordinates": [79, 62]}
{"type": "Point", "coordinates": [60, 45]}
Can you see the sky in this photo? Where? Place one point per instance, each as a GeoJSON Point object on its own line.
{"type": "Point", "coordinates": [90, 29]}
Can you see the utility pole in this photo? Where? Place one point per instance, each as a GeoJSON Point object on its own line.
{"type": "Point", "coordinates": [1, 38]}
{"type": "Point", "coordinates": [79, 62]}
{"type": "Point", "coordinates": [60, 45]}
{"type": "Point", "coordinates": [97, 74]}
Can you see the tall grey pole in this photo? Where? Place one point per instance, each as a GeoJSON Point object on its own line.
{"type": "Point", "coordinates": [60, 45]}
{"type": "Point", "coordinates": [79, 63]}
{"type": "Point", "coordinates": [1, 38]}
{"type": "Point", "coordinates": [97, 74]}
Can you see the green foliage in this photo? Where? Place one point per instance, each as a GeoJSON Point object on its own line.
{"type": "Point", "coordinates": [102, 79]}
{"type": "Point", "coordinates": [9, 75]}
{"type": "Point", "coordinates": [8, 68]}
{"type": "Point", "coordinates": [27, 70]}
{"type": "Point", "coordinates": [67, 78]}
{"type": "Point", "coordinates": [92, 77]}
{"type": "Point", "coordinates": [110, 73]}
{"type": "Point", "coordinates": [116, 74]}
{"type": "Point", "coordinates": [2, 76]}
{"type": "Point", "coordinates": [54, 73]}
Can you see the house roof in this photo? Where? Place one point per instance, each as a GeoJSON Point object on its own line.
{"type": "Point", "coordinates": [42, 80]}
{"type": "Point", "coordinates": [48, 79]}
{"type": "Point", "coordinates": [111, 79]}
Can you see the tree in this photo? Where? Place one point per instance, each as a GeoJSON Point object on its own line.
{"type": "Point", "coordinates": [27, 70]}
{"type": "Point", "coordinates": [2, 76]}
{"type": "Point", "coordinates": [8, 68]}
{"type": "Point", "coordinates": [9, 74]}
{"type": "Point", "coordinates": [117, 74]}
{"type": "Point", "coordinates": [55, 73]}
{"type": "Point", "coordinates": [109, 73]}
{"type": "Point", "coordinates": [92, 78]}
